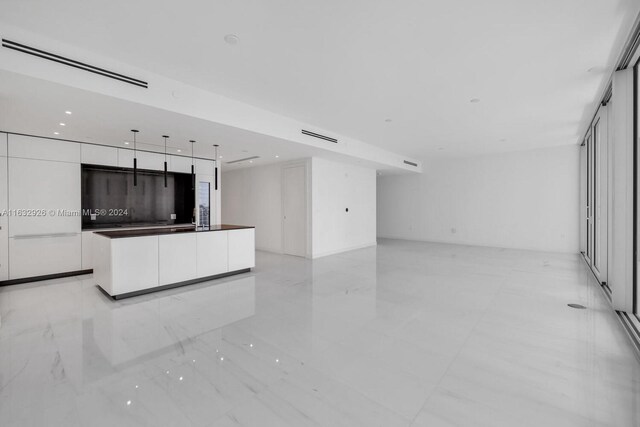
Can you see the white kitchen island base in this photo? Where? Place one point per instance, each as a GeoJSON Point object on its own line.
{"type": "Point", "coordinates": [134, 262]}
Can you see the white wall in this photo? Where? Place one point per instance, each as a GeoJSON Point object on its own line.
{"type": "Point", "coordinates": [526, 199]}
{"type": "Point", "coordinates": [336, 187]}
{"type": "Point", "coordinates": [253, 196]}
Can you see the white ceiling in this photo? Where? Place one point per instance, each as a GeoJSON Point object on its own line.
{"type": "Point", "coordinates": [348, 66]}
{"type": "Point", "coordinates": [37, 107]}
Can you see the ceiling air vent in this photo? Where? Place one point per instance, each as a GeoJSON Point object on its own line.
{"type": "Point", "coordinates": [407, 162]}
{"type": "Point", "coordinates": [317, 135]}
{"type": "Point", "coordinates": [243, 160]}
{"type": "Point", "coordinates": [72, 63]}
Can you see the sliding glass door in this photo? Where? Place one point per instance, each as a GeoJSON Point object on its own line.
{"type": "Point", "coordinates": [595, 185]}
{"type": "Point", "coordinates": [590, 211]}
{"type": "Point", "coordinates": [636, 251]}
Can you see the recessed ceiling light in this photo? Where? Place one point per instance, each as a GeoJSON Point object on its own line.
{"type": "Point", "coordinates": [56, 133]}
{"type": "Point", "coordinates": [62, 124]}
{"type": "Point", "coordinates": [474, 100]}
{"type": "Point", "coordinates": [231, 39]}
{"type": "Point", "coordinates": [179, 150]}
{"type": "Point", "coordinates": [219, 157]}
{"type": "Point", "coordinates": [67, 112]}
{"type": "Point", "coordinates": [277, 156]}
{"type": "Point", "coordinates": [126, 143]}
{"type": "Point", "coordinates": [250, 161]}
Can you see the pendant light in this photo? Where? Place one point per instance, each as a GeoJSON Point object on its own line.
{"type": "Point", "coordinates": [165, 159]}
{"type": "Point", "coordinates": [135, 159]}
{"type": "Point", "coordinates": [215, 171]}
{"type": "Point", "coordinates": [193, 168]}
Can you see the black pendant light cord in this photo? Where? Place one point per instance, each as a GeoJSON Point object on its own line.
{"type": "Point", "coordinates": [193, 169]}
{"type": "Point", "coordinates": [165, 160]}
{"type": "Point", "coordinates": [135, 159]}
{"type": "Point", "coordinates": [215, 171]}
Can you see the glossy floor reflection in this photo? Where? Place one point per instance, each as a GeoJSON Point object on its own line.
{"type": "Point", "coordinates": [402, 334]}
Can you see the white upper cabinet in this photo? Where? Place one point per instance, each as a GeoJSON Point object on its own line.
{"type": "Point", "coordinates": [204, 167]}
{"type": "Point", "coordinates": [125, 158]}
{"type": "Point", "coordinates": [180, 164]}
{"type": "Point", "coordinates": [99, 155]}
{"type": "Point", "coordinates": [146, 160]}
{"type": "Point", "coordinates": [29, 147]}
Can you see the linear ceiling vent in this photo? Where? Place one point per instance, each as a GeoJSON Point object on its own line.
{"type": "Point", "coordinates": [317, 135]}
{"type": "Point", "coordinates": [407, 162]}
{"type": "Point", "coordinates": [243, 160]}
{"type": "Point", "coordinates": [72, 63]}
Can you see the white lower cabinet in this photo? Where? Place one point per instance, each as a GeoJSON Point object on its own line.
{"type": "Point", "coordinates": [137, 264]}
{"type": "Point", "coordinates": [212, 249]}
{"type": "Point", "coordinates": [177, 257]}
{"type": "Point", "coordinates": [242, 252]}
{"type": "Point", "coordinates": [134, 264]}
{"type": "Point", "coordinates": [42, 255]}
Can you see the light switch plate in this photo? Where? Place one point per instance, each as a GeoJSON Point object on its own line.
{"type": "Point", "coordinates": [173, 216]}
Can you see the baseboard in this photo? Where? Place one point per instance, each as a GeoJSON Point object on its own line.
{"type": "Point", "coordinates": [628, 325]}
{"type": "Point", "coordinates": [480, 245]}
{"type": "Point", "coordinates": [44, 277]}
{"type": "Point", "coordinates": [339, 251]}
{"type": "Point", "coordinates": [270, 250]}
{"type": "Point", "coordinates": [632, 331]}
{"type": "Point", "coordinates": [606, 290]}
{"type": "Point", "coordinates": [173, 285]}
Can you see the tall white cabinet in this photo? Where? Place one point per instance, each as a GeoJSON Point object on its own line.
{"type": "Point", "coordinates": [4, 220]}
{"type": "Point", "coordinates": [43, 206]}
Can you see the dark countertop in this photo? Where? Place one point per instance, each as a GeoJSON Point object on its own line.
{"type": "Point", "coordinates": [144, 232]}
{"type": "Point", "coordinates": [126, 226]}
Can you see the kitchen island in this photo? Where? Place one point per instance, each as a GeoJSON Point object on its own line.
{"type": "Point", "coordinates": [134, 262]}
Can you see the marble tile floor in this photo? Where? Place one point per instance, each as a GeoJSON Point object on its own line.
{"type": "Point", "coordinates": [403, 334]}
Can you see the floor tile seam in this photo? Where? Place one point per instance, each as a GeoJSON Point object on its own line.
{"type": "Point", "coordinates": [334, 378]}
{"type": "Point", "coordinates": [459, 352]}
